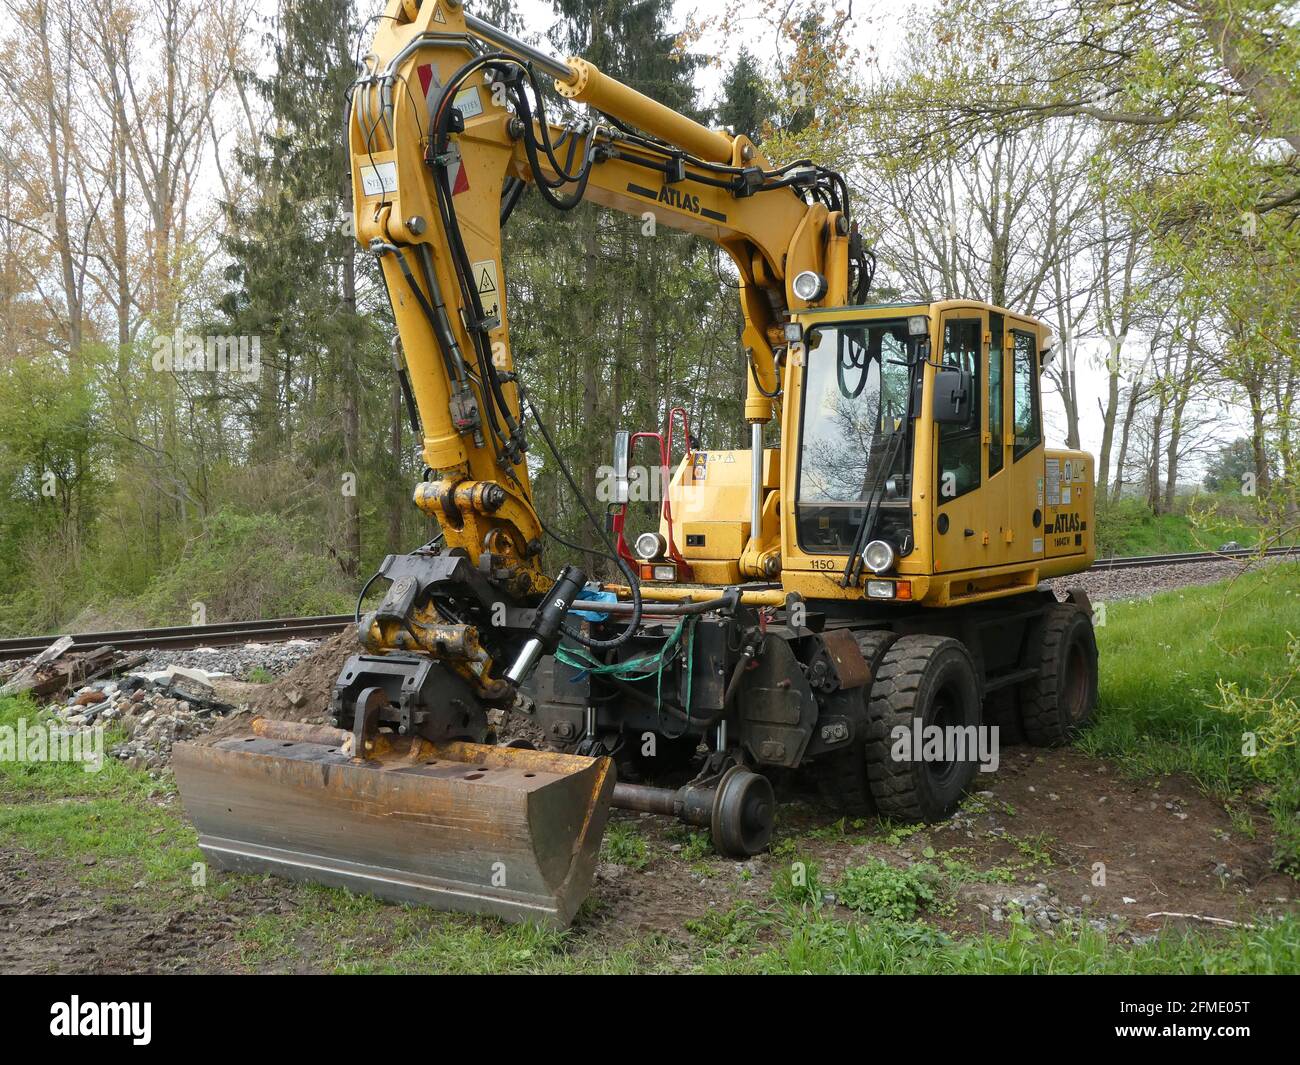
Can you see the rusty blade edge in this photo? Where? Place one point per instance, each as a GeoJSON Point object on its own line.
{"type": "Point", "coordinates": [371, 880]}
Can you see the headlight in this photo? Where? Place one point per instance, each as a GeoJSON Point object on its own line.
{"type": "Point", "coordinates": [649, 546]}
{"type": "Point", "coordinates": [918, 325]}
{"type": "Point", "coordinates": [809, 286]}
{"type": "Point", "coordinates": [879, 556]}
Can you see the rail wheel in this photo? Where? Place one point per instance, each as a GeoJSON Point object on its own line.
{"type": "Point", "coordinates": [1058, 703]}
{"type": "Point", "coordinates": [842, 775]}
{"type": "Point", "coordinates": [744, 813]}
{"type": "Point", "coordinates": [930, 678]}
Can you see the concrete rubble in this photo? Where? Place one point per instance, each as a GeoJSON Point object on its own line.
{"type": "Point", "coordinates": [153, 709]}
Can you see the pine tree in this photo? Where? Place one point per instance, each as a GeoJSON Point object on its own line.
{"type": "Point", "coordinates": [294, 267]}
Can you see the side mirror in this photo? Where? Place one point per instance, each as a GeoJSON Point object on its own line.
{"type": "Point", "coordinates": [952, 396]}
{"type": "Point", "coordinates": [622, 448]}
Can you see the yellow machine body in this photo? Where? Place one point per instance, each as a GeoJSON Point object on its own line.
{"type": "Point", "coordinates": [404, 796]}
{"type": "Point", "coordinates": [1027, 515]}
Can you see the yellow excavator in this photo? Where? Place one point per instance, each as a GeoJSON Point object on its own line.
{"type": "Point", "coordinates": [866, 584]}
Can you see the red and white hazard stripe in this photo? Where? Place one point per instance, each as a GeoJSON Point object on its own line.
{"type": "Point", "coordinates": [431, 87]}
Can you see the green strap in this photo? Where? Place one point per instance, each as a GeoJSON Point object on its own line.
{"type": "Point", "coordinates": [644, 667]}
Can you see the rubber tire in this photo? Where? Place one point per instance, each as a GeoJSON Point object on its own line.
{"type": "Point", "coordinates": [842, 775]}
{"type": "Point", "coordinates": [1059, 703]}
{"type": "Point", "coordinates": [914, 670]}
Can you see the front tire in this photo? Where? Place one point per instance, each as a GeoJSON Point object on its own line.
{"type": "Point", "coordinates": [931, 678]}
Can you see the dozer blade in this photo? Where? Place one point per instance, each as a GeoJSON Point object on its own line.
{"type": "Point", "coordinates": [456, 826]}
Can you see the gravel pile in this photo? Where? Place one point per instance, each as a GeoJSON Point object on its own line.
{"type": "Point", "coordinates": [236, 661]}
{"type": "Point", "coordinates": [1105, 586]}
{"type": "Point", "coordinates": [1044, 910]}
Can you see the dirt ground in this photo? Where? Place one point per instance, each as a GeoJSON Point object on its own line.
{"type": "Point", "coordinates": [1034, 836]}
{"type": "Point", "coordinates": [1047, 816]}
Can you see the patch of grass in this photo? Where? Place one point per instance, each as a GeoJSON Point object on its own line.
{"type": "Point", "coordinates": [347, 933]}
{"type": "Point", "coordinates": [797, 883]}
{"type": "Point", "coordinates": [879, 889]}
{"type": "Point", "coordinates": [695, 845]}
{"type": "Point", "coordinates": [1163, 662]}
{"type": "Point", "coordinates": [1129, 528]}
{"type": "Point", "coordinates": [821, 945]}
{"type": "Point", "coordinates": [960, 872]}
{"type": "Point", "coordinates": [624, 845]}
{"type": "Point", "coordinates": [116, 826]}
{"type": "Point", "coordinates": [845, 830]}
{"type": "Point", "coordinates": [730, 929]}
{"type": "Point", "coordinates": [1037, 849]}
{"type": "Point", "coordinates": [893, 833]}
{"type": "Point", "coordinates": [260, 675]}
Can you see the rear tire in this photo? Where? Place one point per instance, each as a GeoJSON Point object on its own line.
{"type": "Point", "coordinates": [842, 775]}
{"type": "Point", "coordinates": [932, 678]}
{"type": "Point", "coordinates": [1058, 704]}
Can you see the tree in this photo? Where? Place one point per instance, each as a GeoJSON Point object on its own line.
{"type": "Point", "coordinates": [1232, 468]}
{"type": "Point", "coordinates": [294, 268]}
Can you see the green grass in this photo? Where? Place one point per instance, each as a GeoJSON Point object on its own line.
{"type": "Point", "coordinates": [879, 889]}
{"type": "Point", "coordinates": [117, 826]}
{"type": "Point", "coordinates": [818, 944]}
{"type": "Point", "coordinates": [1162, 661]}
{"type": "Point", "coordinates": [1129, 528]}
{"type": "Point", "coordinates": [624, 845]}
{"type": "Point", "coordinates": [348, 933]}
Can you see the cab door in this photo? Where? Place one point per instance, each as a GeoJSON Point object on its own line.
{"type": "Point", "coordinates": [1024, 444]}
{"type": "Point", "coordinates": [971, 504]}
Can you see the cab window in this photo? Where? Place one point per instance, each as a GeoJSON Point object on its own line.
{"type": "Point", "coordinates": [959, 445]}
{"type": "Point", "coordinates": [1029, 431]}
{"type": "Point", "coordinates": [995, 393]}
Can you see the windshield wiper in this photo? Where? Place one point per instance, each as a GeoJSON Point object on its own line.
{"type": "Point", "coordinates": [853, 565]}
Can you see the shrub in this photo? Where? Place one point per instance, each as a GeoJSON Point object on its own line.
{"type": "Point", "coordinates": [883, 890]}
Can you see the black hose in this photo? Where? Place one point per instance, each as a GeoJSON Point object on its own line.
{"type": "Point", "coordinates": [633, 584]}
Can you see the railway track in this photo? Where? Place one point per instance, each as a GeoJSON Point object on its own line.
{"type": "Point", "coordinates": [279, 630]}
{"type": "Point", "coordinates": [1182, 558]}
{"type": "Point", "coordinates": [222, 634]}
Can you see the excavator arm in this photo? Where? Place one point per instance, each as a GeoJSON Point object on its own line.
{"type": "Point", "coordinates": [447, 128]}
{"type": "Point", "coordinates": [401, 794]}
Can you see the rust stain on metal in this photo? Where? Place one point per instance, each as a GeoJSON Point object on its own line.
{"type": "Point", "coordinates": [850, 666]}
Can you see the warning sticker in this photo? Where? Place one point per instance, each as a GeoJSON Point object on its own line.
{"type": "Point", "coordinates": [485, 280]}
{"type": "Point", "coordinates": [1037, 548]}
{"type": "Point", "coordinates": [1053, 482]}
{"type": "Point", "coordinates": [1065, 495]}
{"type": "Point", "coordinates": [379, 178]}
